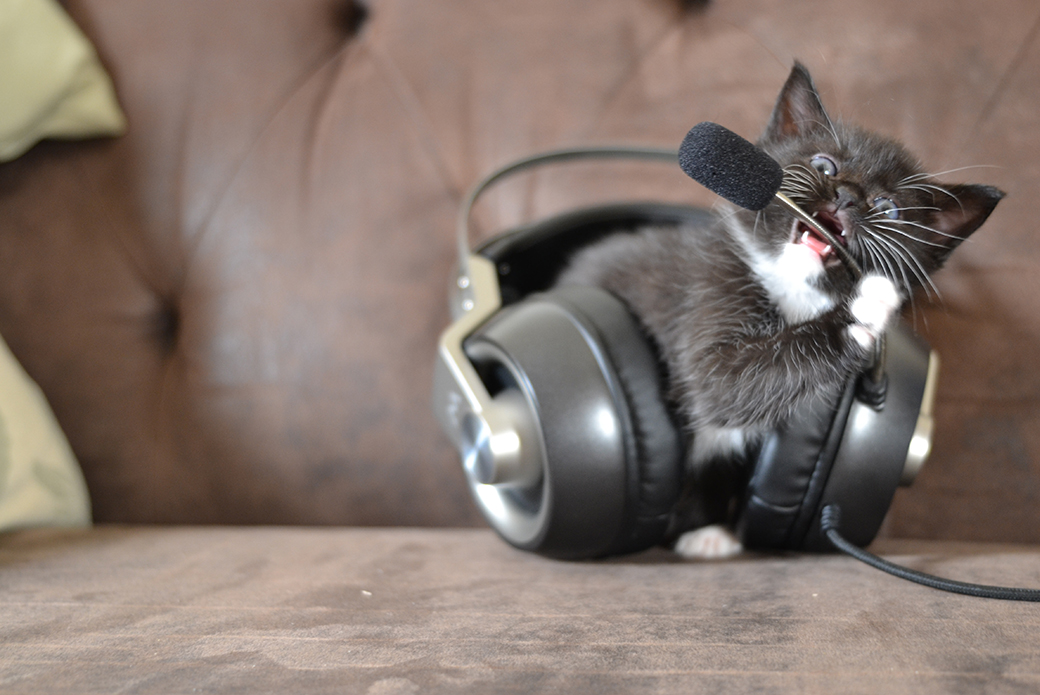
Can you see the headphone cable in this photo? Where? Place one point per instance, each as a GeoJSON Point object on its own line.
{"type": "Point", "coordinates": [830, 520]}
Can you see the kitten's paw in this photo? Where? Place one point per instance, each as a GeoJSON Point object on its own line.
{"type": "Point", "coordinates": [876, 301]}
{"type": "Point", "coordinates": [708, 543]}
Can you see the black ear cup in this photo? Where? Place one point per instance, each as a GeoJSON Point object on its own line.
{"type": "Point", "coordinates": [612, 456]}
{"type": "Point", "coordinates": [843, 452]}
{"type": "Point", "coordinates": [793, 465]}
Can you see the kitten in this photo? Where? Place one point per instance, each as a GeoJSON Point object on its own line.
{"type": "Point", "coordinates": [755, 315]}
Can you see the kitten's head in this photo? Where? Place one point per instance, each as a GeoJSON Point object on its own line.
{"type": "Point", "coordinates": [894, 219]}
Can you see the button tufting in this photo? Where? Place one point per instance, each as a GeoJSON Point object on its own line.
{"type": "Point", "coordinates": [166, 326]}
{"type": "Point", "coordinates": [351, 16]}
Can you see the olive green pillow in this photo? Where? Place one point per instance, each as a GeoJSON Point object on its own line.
{"type": "Point", "coordinates": [51, 85]}
{"type": "Point", "coordinates": [40, 480]}
{"type": "Point", "coordinates": [51, 82]}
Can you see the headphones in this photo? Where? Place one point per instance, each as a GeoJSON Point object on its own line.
{"type": "Point", "coordinates": [554, 398]}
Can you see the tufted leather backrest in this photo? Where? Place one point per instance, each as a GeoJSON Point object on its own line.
{"type": "Point", "coordinates": [233, 307]}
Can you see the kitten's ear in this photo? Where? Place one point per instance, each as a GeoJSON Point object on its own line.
{"type": "Point", "coordinates": [961, 210]}
{"type": "Point", "coordinates": [798, 108]}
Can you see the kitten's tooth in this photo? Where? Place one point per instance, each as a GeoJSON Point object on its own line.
{"type": "Point", "coordinates": [805, 236]}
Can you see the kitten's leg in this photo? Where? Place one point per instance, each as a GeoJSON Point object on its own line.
{"type": "Point", "coordinates": [724, 443]}
{"type": "Point", "coordinates": [714, 542]}
{"type": "Point", "coordinates": [717, 473]}
{"type": "Point", "coordinates": [876, 301]}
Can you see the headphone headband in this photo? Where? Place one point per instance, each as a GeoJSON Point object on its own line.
{"type": "Point", "coordinates": [517, 166]}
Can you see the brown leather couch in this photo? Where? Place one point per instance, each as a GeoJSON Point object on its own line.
{"type": "Point", "coordinates": [232, 310]}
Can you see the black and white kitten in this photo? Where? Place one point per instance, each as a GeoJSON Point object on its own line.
{"type": "Point", "coordinates": [754, 315]}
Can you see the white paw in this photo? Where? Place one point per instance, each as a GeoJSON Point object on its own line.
{"type": "Point", "coordinates": [708, 543]}
{"type": "Point", "coordinates": [876, 302]}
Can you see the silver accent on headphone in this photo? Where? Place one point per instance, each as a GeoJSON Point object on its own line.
{"type": "Point", "coordinates": [921, 442]}
{"type": "Point", "coordinates": [456, 385]}
{"type": "Point", "coordinates": [502, 454]}
{"type": "Point", "coordinates": [497, 441]}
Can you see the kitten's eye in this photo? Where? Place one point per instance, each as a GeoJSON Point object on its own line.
{"type": "Point", "coordinates": [886, 207]}
{"type": "Point", "coordinates": [824, 164]}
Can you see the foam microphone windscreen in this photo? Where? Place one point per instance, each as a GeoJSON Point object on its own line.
{"type": "Point", "coordinates": [723, 162]}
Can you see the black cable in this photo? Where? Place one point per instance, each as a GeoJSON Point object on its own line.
{"type": "Point", "coordinates": [830, 520]}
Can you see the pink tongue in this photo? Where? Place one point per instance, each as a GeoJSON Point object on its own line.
{"type": "Point", "coordinates": [821, 247]}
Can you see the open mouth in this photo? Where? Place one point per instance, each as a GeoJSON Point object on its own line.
{"type": "Point", "coordinates": [809, 237]}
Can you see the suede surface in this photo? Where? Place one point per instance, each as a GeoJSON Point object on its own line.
{"type": "Point", "coordinates": [276, 610]}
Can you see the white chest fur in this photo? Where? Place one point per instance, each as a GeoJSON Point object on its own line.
{"type": "Point", "coordinates": [790, 278]}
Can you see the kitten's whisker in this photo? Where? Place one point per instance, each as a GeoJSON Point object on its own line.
{"type": "Point", "coordinates": [796, 168]}
{"type": "Point", "coordinates": [915, 267]}
{"type": "Point", "coordinates": [924, 188]}
{"type": "Point", "coordinates": [884, 251]}
{"type": "Point", "coordinates": [913, 178]}
{"type": "Point", "coordinates": [910, 236]}
{"type": "Point", "coordinates": [878, 261]}
{"type": "Point", "coordinates": [930, 189]}
{"type": "Point", "coordinates": [925, 227]}
{"type": "Point", "coordinates": [937, 174]}
{"type": "Point", "coordinates": [802, 179]}
{"type": "Point", "coordinates": [800, 196]}
{"type": "Point", "coordinates": [893, 257]}
{"type": "Point", "coordinates": [803, 172]}
{"type": "Point", "coordinates": [882, 215]}
{"type": "Point", "coordinates": [796, 185]}
{"type": "Point", "coordinates": [795, 182]}
{"type": "Point", "coordinates": [882, 259]}
{"type": "Point", "coordinates": [906, 255]}
{"type": "Point", "coordinates": [922, 275]}
{"type": "Point", "coordinates": [918, 207]}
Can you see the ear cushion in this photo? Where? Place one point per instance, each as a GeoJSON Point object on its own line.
{"type": "Point", "coordinates": [654, 442]}
{"type": "Point", "coordinates": [790, 474]}
{"type": "Point", "coordinates": [838, 451]}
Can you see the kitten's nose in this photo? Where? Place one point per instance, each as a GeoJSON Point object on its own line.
{"type": "Point", "coordinates": [847, 196]}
